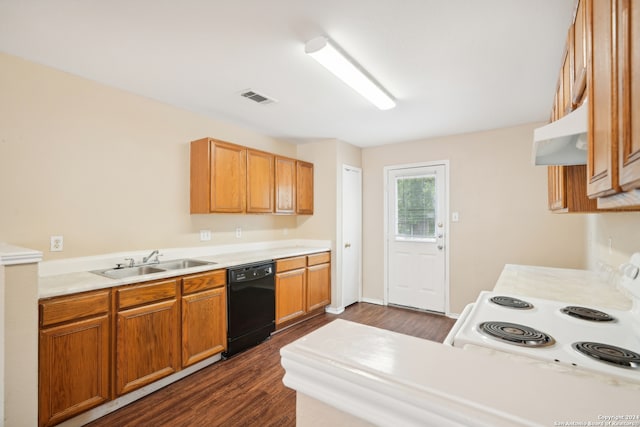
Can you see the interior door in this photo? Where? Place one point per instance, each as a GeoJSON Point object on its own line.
{"type": "Point", "coordinates": [416, 261]}
{"type": "Point", "coordinates": [351, 234]}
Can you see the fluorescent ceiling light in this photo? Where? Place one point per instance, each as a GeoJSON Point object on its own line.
{"type": "Point", "coordinates": [321, 49]}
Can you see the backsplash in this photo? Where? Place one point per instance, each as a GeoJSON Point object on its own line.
{"type": "Point", "coordinates": [612, 238]}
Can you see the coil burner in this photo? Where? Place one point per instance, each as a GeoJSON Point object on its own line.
{"type": "Point", "coordinates": [609, 354]}
{"type": "Point", "coordinates": [586, 313]}
{"type": "Point", "coordinates": [511, 302]}
{"type": "Point", "coordinates": [513, 333]}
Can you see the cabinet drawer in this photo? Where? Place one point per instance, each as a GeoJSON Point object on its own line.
{"type": "Point", "coordinates": [321, 258]}
{"type": "Point", "coordinates": [201, 282]}
{"type": "Point", "coordinates": [145, 293]}
{"type": "Point", "coordinates": [77, 306]}
{"type": "Point", "coordinates": [291, 263]}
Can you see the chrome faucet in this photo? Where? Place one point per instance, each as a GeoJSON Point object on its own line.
{"type": "Point", "coordinates": [147, 259]}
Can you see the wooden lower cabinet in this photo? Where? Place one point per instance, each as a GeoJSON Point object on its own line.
{"type": "Point", "coordinates": [204, 316]}
{"type": "Point", "coordinates": [303, 286]}
{"type": "Point", "coordinates": [74, 354]}
{"type": "Point", "coordinates": [318, 286]}
{"type": "Point", "coordinates": [290, 295]}
{"type": "Point", "coordinates": [147, 334]}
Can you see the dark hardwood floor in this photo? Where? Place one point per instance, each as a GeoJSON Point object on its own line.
{"type": "Point", "coordinates": [247, 389]}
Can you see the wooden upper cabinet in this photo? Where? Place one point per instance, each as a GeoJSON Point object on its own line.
{"type": "Point", "coordinates": [218, 177]}
{"type": "Point", "coordinates": [567, 190]}
{"type": "Point", "coordinates": [566, 80]}
{"type": "Point", "coordinates": [285, 183]}
{"type": "Point", "coordinates": [229, 178]}
{"type": "Point", "coordinates": [629, 96]}
{"type": "Point", "coordinates": [579, 54]}
{"type": "Point", "coordinates": [602, 152]}
{"type": "Point", "coordinates": [304, 187]}
{"type": "Point", "coordinates": [260, 182]}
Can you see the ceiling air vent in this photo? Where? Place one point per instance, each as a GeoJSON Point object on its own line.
{"type": "Point", "coordinates": [257, 97]}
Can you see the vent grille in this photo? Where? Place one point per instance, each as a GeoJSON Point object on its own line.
{"type": "Point", "coordinates": [257, 97]}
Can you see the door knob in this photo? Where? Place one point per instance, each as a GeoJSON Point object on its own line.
{"type": "Point", "coordinates": [347, 245]}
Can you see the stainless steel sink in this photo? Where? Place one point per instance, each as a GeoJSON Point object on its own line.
{"type": "Point", "coordinates": [179, 264]}
{"type": "Point", "coordinates": [120, 273]}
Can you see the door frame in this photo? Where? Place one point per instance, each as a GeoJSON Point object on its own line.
{"type": "Point", "coordinates": [386, 171]}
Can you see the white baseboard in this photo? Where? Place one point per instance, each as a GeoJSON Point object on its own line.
{"type": "Point", "coordinates": [334, 310]}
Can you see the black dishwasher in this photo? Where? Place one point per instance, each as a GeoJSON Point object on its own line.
{"type": "Point", "coordinates": [251, 305]}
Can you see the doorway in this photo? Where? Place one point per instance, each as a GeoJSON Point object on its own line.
{"type": "Point", "coordinates": [416, 218]}
{"type": "Point", "coordinates": [351, 235]}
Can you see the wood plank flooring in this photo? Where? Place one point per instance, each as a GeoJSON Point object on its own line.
{"type": "Point", "coordinates": [247, 389]}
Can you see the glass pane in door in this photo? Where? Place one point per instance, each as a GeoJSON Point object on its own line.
{"type": "Point", "coordinates": [416, 207]}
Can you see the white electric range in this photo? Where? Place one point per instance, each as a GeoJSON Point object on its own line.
{"type": "Point", "coordinates": [601, 340]}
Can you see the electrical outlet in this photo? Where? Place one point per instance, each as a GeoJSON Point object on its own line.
{"type": "Point", "coordinates": [238, 233]}
{"type": "Point", "coordinates": [285, 231]}
{"type": "Point", "coordinates": [56, 244]}
{"type": "Point", "coordinates": [205, 235]}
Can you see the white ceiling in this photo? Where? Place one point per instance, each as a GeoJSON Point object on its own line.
{"type": "Point", "coordinates": [454, 66]}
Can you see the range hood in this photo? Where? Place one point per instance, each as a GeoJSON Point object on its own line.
{"type": "Point", "coordinates": [563, 142]}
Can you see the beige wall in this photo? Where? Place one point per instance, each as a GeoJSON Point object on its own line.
{"type": "Point", "coordinates": [106, 169]}
{"type": "Point", "coordinates": [502, 202]}
{"type": "Point", "coordinates": [328, 157]}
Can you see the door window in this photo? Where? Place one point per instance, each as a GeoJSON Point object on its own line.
{"type": "Point", "coordinates": [416, 208]}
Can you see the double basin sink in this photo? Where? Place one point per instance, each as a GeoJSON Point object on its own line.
{"type": "Point", "coordinates": [161, 267]}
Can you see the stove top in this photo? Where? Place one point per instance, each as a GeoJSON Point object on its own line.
{"type": "Point", "coordinates": [592, 338]}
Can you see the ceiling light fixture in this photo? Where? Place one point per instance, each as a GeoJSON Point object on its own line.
{"type": "Point", "coordinates": [322, 50]}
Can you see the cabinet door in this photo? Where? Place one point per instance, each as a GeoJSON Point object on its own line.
{"type": "Point", "coordinates": [74, 369]}
{"type": "Point", "coordinates": [304, 186]}
{"type": "Point", "coordinates": [318, 286]}
{"type": "Point", "coordinates": [260, 177]}
{"type": "Point", "coordinates": [204, 325]}
{"type": "Point", "coordinates": [557, 195]}
{"type": "Point", "coordinates": [629, 95]}
{"type": "Point", "coordinates": [290, 295]}
{"type": "Point", "coordinates": [147, 345]}
{"type": "Point", "coordinates": [566, 77]}
{"type": "Point", "coordinates": [602, 157]}
{"type": "Point", "coordinates": [285, 186]}
{"type": "Point", "coordinates": [579, 74]}
{"type": "Point", "coordinates": [228, 177]}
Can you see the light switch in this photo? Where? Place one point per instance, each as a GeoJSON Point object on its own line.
{"type": "Point", "coordinates": [455, 217]}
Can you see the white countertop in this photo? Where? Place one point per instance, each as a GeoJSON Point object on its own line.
{"type": "Point", "coordinates": [390, 379]}
{"type": "Point", "coordinates": [73, 275]}
{"type": "Point", "coordinates": [562, 284]}
{"type": "Point", "coordinates": [11, 255]}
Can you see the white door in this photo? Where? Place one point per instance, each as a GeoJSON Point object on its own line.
{"type": "Point", "coordinates": [351, 234]}
{"type": "Point", "coordinates": [416, 261]}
